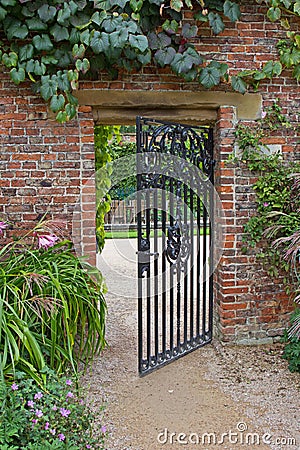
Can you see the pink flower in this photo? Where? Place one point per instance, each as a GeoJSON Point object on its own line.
{"type": "Point", "coordinates": [47, 240]}
{"type": "Point", "coordinates": [65, 412]}
{"type": "Point", "coordinates": [103, 429]}
{"type": "Point", "coordinates": [69, 382]}
{"type": "Point", "coordinates": [30, 403]}
{"type": "Point", "coordinates": [34, 421]}
{"type": "Point", "coordinates": [38, 396]}
{"type": "Point", "coordinates": [266, 204]}
{"type": "Point", "coordinates": [70, 395]}
{"type": "Point", "coordinates": [53, 431]}
{"type": "Point", "coordinates": [47, 425]}
{"type": "Point", "coordinates": [38, 413]}
{"type": "Point", "coordinates": [14, 387]}
{"type": "Point", "coordinates": [3, 225]}
{"type": "Point", "coordinates": [61, 437]}
{"type": "Point", "coordinates": [263, 114]}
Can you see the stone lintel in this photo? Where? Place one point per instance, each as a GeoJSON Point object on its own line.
{"type": "Point", "coordinates": [121, 107]}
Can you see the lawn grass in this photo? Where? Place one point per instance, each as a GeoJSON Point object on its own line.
{"type": "Point", "coordinates": [132, 234]}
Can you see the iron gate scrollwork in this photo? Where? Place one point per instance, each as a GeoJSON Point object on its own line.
{"type": "Point", "coordinates": [175, 243]}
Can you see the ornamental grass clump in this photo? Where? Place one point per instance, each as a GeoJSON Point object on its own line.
{"type": "Point", "coordinates": [54, 416]}
{"type": "Point", "coordinates": [52, 309]}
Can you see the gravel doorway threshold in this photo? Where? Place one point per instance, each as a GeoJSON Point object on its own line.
{"type": "Point", "coordinates": [218, 397]}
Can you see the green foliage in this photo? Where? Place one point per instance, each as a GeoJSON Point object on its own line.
{"type": "Point", "coordinates": [52, 312]}
{"type": "Point", "coordinates": [103, 135]}
{"type": "Point", "coordinates": [51, 416]}
{"type": "Point", "coordinates": [276, 225]}
{"type": "Point", "coordinates": [49, 41]}
{"type": "Point", "coordinates": [292, 347]}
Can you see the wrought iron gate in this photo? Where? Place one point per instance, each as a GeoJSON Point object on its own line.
{"type": "Point", "coordinates": [175, 245]}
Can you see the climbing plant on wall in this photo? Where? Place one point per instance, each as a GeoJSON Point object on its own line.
{"type": "Point", "coordinates": [54, 44]}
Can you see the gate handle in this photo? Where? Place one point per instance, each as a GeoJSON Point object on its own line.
{"type": "Point", "coordinates": [147, 253]}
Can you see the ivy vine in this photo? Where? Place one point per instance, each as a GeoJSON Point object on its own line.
{"type": "Point", "coordinates": [54, 44]}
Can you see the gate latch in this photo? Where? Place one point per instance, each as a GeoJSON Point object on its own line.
{"type": "Point", "coordinates": [148, 253]}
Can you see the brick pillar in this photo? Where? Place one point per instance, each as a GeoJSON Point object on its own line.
{"type": "Point", "coordinates": [250, 306]}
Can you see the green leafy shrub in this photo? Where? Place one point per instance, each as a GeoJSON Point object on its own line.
{"type": "Point", "coordinates": [276, 224]}
{"type": "Point", "coordinates": [52, 417]}
{"type": "Point", "coordinates": [52, 311]}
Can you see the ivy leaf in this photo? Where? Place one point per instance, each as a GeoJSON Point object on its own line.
{"type": "Point", "coordinates": [42, 42]}
{"type": "Point", "coordinates": [238, 84]}
{"type": "Point", "coordinates": [136, 5]}
{"type": "Point", "coordinates": [78, 51]}
{"type": "Point", "coordinates": [209, 77]}
{"type": "Point", "coordinates": [232, 10]}
{"type": "Point", "coordinates": [59, 33]}
{"type": "Point", "coordinates": [120, 3]}
{"type": "Point", "coordinates": [8, 2]}
{"type": "Point", "coordinates": [62, 81]}
{"type": "Point", "coordinates": [183, 62]}
{"type": "Point", "coordinates": [165, 56]}
{"type": "Point", "coordinates": [296, 72]}
{"type": "Point", "coordinates": [49, 59]}
{"type": "Point", "coordinates": [74, 36]}
{"type": "Point", "coordinates": [17, 30]}
{"type": "Point", "coordinates": [160, 40]}
{"type": "Point", "coordinates": [26, 52]}
{"type": "Point", "coordinates": [176, 4]}
{"type": "Point", "coordinates": [35, 24]}
{"type": "Point", "coordinates": [189, 31]}
{"type": "Point", "coordinates": [98, 18]}
{"type": "Point", "coordinates": [272, 68]}
{"type": "Point", "coordinates": [144, 58]}
{"type": "Point", "coordinates": [216, 22]}
{"type": "Point", "coordinates": [297, 7]}
{"type": "Point", "coordinates": [17, 76]}
{"type": "Point", "coordinates": [48, 87]}
{"type": "Point", "coordinates": [82, 65]}
{"type": "Point", "coordinates": [96, 42]}
{"type": "Point", "coordinates": [274, 13]}
{"type": "Point", "coordinates": [57, 102]}
{"type": "Point", "coordinates": [3, 13]}
{"type": "Point", "coordinates": [170, 27]}
{"type": "Point", "coordinates": [64, 14]}
{"type": "Point", "coordinates": [112, 23]}
{"type": "Point", "coordinates": [140, 42]}
{"type": "Point", "coordinates": [70, 110]}
{"type": "Point", "coordinates": [10, 60]}
{"type": "Point", "coordinates": [62, 117]}
{"type": "Point", "coordinates": [85, 37]}
{"type": "Point", "coordinates": [46, 13]}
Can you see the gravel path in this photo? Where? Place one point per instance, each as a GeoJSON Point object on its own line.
{"type": "Point", "coordinates": [218, 397]}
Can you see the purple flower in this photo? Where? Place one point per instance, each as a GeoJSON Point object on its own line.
{"type": "Point", "coordinates": [266, 204]}
{"type": "Point", "coordinates": [34, 421]}
{"type": "Point", "coordinates": [88, 446]}
{"type": "Point", "coordinates": [263, 114]}
{"type": "Point", "coordinates": [47, 240]}
{"type": "Point", "coordinates": [38, 413]}
{"type": "Point", "coordinates": [38, 396]}
{"type": "Point", "coordinates": [103, 429]}
{"type": "Point", "coordinates": [69, 382]}
{"type": "Point", "coordinates": [14, 386]}
{"type": "Point", "coordinates": [47, 424]}
{"type": "Point", "coordinates": [70, 395]}
{"type": "Point", "coordinates": [53, 431]}
{"type": "Point", "coordinates": [30, 403]}
{"type": "Point", "coordinates": [54, 408]}
{"type": "Point", "coordinates": [3, 225]}
{"type": "Point", "coordinates": [65, 412]}
{"type": "Point", "coordinates": [61, 437]}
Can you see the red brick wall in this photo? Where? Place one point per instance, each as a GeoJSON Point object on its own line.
{"type": "Point", "coordinates": [44, 167]}
{"type": "Point", "coordinates": [43, 164]}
